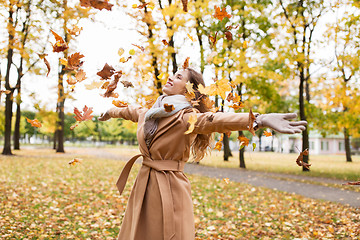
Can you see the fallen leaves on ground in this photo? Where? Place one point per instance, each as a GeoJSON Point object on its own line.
{"type": "Point", "coordinates": [43, 197]}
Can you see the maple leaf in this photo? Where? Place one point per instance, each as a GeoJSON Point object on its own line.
{"type": "Point", "coordinates": [185, 5]}
{"type": "Point", "coordinates": [252, 118]}
{"type": "Point", "coordinates": [112, 86]}
{"type": "Point", "coordinates": [98, 4]}
{"type": "Point", "coordinates": [75, 160]}
{"type": "Point", "coordinates": [300, 161]}
{"type": "Point", "coordinates": [75, 31]}
{"type": "Point", "coordinates": [228, 35]}
{"type": "Point", "coordinates": [43, 56]}
{"type": "Point", "coordinates": [190, 94]}
{"type": "Point", "coordinates": [119, 103]}
{"type": "Point", "coordinates": [139, 47]}
{"type": "Point", "coordinates": [60, 45]}
{"type": "Point", "coordinates": [127, 84]}
{"type": "Point", "coordinates": [34, 123]}
{"type": "Point", "coordinates": [267, 134]}
{"type": "Point", "coordinates": [106, 72]}
{"type": "Point", "coordinates": [218, 144]}
{"type": "Point", "coordinates": [220, 88]}
{"type": "Point", "coordinates": [169, 108]}
{"type": "Point", "coordinates": [244, 141]}
{"type": "Point", "coordinates": [165, 42]}
{"type": "Point", "coordinates": [73, 61]}
{"type": "Point", "coordinates": [192, 120]}
{"type": "Point", "coordinates": [186, 63]}
{"type": "Point", "coordinates": [221, 13]}
{"type": "Point", "coordinates": [80, 75]}
{"type": "Point", "coordinates": [352, 183]}
{"type": "Point", "coordinates": [86, 115]}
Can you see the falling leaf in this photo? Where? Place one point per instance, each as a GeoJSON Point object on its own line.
{"type": "Point", "coordinates": [244, 140]}
{"type": "Point", "coordinates": [73, 61]}
{"type": "Point", "coordinates": [254, 146]}
{"type": "Point", "coordinates": [226, 180]}
{"type": "Point", "coordinates": [127, 84]}
{"type": "Point", "coordinates": [43, 56]}
{"type": "Point", "coordinates": [169, 107]}
{"type": "Point", "coordinates": [93, 85]}
{"type": "Point", "coordinates": [221, 13]}
{"type": "Point", "coordinates": [124, 60]}
{"type": "Point", "coordinates": [119, 103]}
{"type": "Point", "coordinates": [300, 161]}
{"type": "Point", "coordinates": [139, 47]}
{"type": "Point", "coordinates": [237, 106]}
{"type": "Point", "coordinates": [267, 134]}
{"type": "Point", "coordinates": [190, 94]}
{"type": "Point", "coordinates": [185, 5]}
{"type": "Point", "coordinates": [252, 119]}
{"type": "Point", "coordinates": [121, 51]}
{"type": "Point", "coordinates": [75, 31]}
{"type": "Point", "coordinates": [140, 6]}
{"type": "Point", "coordinates": [220, 87]}
{"type": "Point", "coordinates": [80, 75]}
{"type": "Point", "coordinates": [245, 44]}
{"type": "Point", "coordinates": [161, 75]}
{"type": "Point", "coordinates": [34, 123]}
{"type": "Point", "coordinates": [98, 4]}
{"type": "Point", "coordinates": [86, 115]}
{"type": "Point", "coordinates": [71, 81]}
{"type": "Point", "coordinates": [105, 85]}
{"type": "Point", "coordinates": [231, 27]}
{"type": "Point", "coordinates": [186, 63]}
{"type": "Point", "coordinates": [191, 38]}
{"type": "Point", "coordinates": [106, 72]}
{"type": "Point", "coordinates": [112, 86]}
{"type": "Point", "coordinates": [60, 45]}
{"type": "Point", "coordinates": [63, 61]}
{"type": "Point", "coordinates": [352, 183]}
{"type": "Point", "coordinates": [192, 120]}
{"type": "Point", "coordinates": [149, 103]}
{"type": "Point", "coordinates": [74, 126]}
{"type": "Point", "coordinates": [165, 42]}
{"type": "Point", "coordinates": [132, 51]}
{"type": "Point", "coordinates": [218, 144]}
{"type": "Point", "coordinates": [228, 35]}
{"type": "Point", "coordinates": [74, 161]}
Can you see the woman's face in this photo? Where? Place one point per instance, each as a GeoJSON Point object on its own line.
{"type": "Point", "coordinates": [176, 83]}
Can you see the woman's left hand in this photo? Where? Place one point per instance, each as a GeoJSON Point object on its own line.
{"type": "Point", "coordinates": [281, 123]}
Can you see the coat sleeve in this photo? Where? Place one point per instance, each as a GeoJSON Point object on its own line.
{"type": "Point", "coordinates": [127, 113]}
{"type": "Point", "coordinates": [210, 122]}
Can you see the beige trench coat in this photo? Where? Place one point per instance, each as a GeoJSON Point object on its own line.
{"type": "Point", "coordinates": [160, 205]}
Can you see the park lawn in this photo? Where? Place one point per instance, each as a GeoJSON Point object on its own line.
{"type": "Point", "coordinates": [43, 197]}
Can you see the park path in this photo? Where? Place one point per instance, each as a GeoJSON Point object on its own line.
{"type": "Point", "coordinates": [277, 181]}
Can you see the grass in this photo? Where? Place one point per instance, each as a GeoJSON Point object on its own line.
{"type": "Point", "coordinates": [43, 197]}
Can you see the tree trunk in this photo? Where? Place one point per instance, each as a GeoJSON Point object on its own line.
{"type": "Point", "coordinates": [305, 134]}
{"type": "Point", "coordinates": [17, 121]}
{"type": "Point", "coordinates": [227, 150]}
{"type": "Point", "coordinates": [61, 115]}
{"type": "Point", "coordinates": [347, 145]}
{"type": "Point", "coordinates": [241, 153]}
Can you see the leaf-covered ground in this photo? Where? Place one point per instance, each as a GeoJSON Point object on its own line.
{"type": "Point", "coordinates": [42, 197]}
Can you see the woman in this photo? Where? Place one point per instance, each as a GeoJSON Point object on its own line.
{"type": "Point", "coordinates": [160, 205]}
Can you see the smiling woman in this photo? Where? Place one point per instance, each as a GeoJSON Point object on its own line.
{"type": "Point", "coordinates": [160, 205]}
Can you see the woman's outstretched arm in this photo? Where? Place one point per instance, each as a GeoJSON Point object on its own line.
{"type": "Point", "coordinates": [127, 113]}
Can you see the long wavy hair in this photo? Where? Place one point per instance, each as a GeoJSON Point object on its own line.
{"type": "Point", "coordinates": [201, 145]}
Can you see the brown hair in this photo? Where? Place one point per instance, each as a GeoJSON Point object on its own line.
{"type": "Point", "coordinates": [201, 144]}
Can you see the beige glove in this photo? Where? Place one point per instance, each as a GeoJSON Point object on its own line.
{"type": "Point", "coordinates": [280, 122]}
{"type": "Point", "coordinates": [104, 116]}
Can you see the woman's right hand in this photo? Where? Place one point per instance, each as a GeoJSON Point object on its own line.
{"type": "Point", "coordinates": [104, 116]}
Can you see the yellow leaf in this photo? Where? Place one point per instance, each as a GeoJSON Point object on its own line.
{"type": "Point", "coordinates": [63, 61]}
{"type": "Point", "coordinates": [121, 51]}
{"type": "Point", "coordinates": [75, 160]}
{"type": "Point", "coordinates": [254, 146]}
{"type": "Point", "coordinates": [191, 38]}
{"type": "Point", "coordinates": [245, 44]}
{"type": "Point", "coordinates": [192, 120]}
{"type": "Point", "coordinates": [131, 51]}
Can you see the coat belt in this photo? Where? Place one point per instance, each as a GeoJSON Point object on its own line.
{"type": "Point", "coordinates": [164, 187]}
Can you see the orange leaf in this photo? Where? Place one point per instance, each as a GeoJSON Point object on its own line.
{"type": "Point", "coordinates": [119, 103]}
{"type": "Point", "coordinates": [252, 118]}
{"type": "Point", "coordinates": [220, 88]}
{"type": "Point", "coordinates": [60, 45]}
{"type": "Point", "coordinates": [243, 140]}
{"type": "Point", "coordinates": [80, 75]}
{"type": "Point", "coordinates": [75, 160]}
{"type": "Point", "coordinates": [226, 180]}
{"type": "Point", "coordinates": [300, 161]}
{"type": "Point", "coordinates": [75, 31]}
{"type": "Point", "coordinates": [106, 72]}
{"type": "Point", "coordinates": [86, 115]}
{"type": "Point", "coordinates": [34, 123]}
{"type": "Point", "coordinates": [186, 63]}
{"type": "Point", "coordinates": [98, 4]}
{"type": "Point", "coordinates": [168, 108]}
{"type": "Point", "coordinates": [73, 61]}
{"type": "Point", "coordinates": [43, 56]}
{"type": "Point", "coordinates": [139, 47]}
{"type": "Point", "coordinates": [218, 145]}
{"type": "Point", "coordinates": [221, 13]}
{"type": "Point", "coordinates": [267, 134]}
